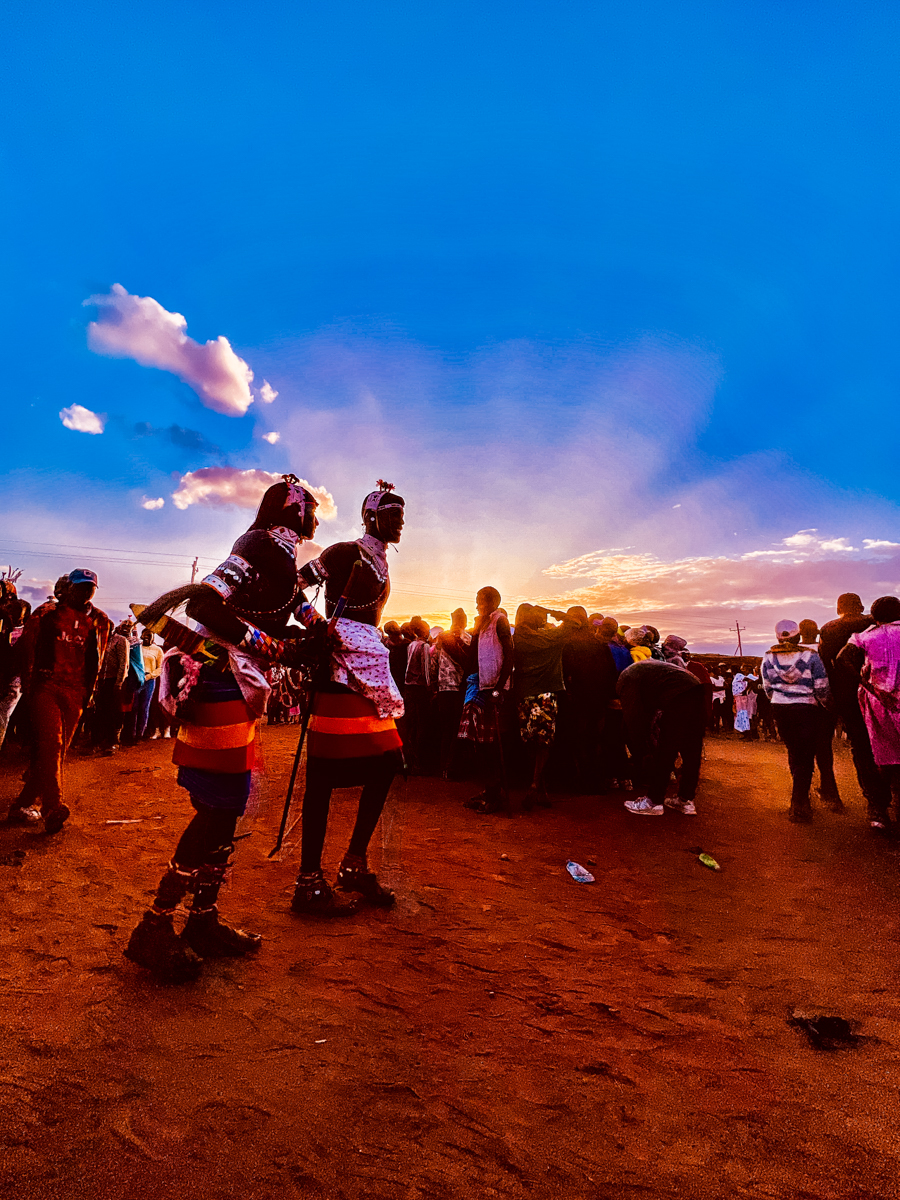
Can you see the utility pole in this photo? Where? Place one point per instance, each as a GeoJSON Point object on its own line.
{"type": "Point", "coordinates": [737, 628]}
{"type": "Point", "coordinates": [194, 570]}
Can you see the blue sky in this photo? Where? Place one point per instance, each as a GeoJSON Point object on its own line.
{"type": "Point", "coordinates": [557, 267]}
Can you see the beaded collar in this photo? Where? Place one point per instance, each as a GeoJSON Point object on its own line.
{"type": "Point", "coordinates": [375, 553]}
{"type": "Point", "coordinates": [286, 538]}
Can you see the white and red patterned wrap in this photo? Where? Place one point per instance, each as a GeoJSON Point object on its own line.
{"type": "Point", "coordinates": [362, 663]}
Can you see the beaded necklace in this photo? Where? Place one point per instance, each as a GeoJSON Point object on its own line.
{"type": "Point", "coordinates": [374, 555]}
{"type": "Point", "coordinates": [287, 539]}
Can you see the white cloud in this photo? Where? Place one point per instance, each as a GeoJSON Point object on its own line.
{"type": "Point", "coordinates": [271, 438]}
{"type": "Point", "coordinates": [138, 327]}
{"type": "Point", "coordinates": [879, 544]}
{"type": "Point", "coordinates": [805, 544]}
{"type": "Point", "coordinates": [216, 487]}
{"type": "Point", "coordinates": [152, 504]}
{"type": "Point", "coordinates": [267, 393]}
{"type": "Point", "coordinates": [804, 537]}
{"type": "Point", "coordinates": [81, 419]}
{"type": "Point", "coordinates": [589, 565]}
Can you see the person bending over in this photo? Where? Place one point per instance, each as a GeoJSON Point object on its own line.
{"type": "Point", "coordinates": [664, 709]}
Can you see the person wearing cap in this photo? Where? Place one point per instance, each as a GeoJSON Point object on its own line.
{"type": "Point", "coordinates": [795, 681]}
{"type": "Point", "coordinates": [59, 656]}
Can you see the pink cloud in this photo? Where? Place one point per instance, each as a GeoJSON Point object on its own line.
{"type": "Point", "coordinates": [35, 591]}
{"type": "Point", "coordinates": [216, 487]}
{"type": "Point", "coordinates": [138, 327]}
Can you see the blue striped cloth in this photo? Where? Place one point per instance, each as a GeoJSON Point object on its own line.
{"type": "Point", "coordinates": [794, 677]}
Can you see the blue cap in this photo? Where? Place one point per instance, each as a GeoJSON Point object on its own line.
{"type": "Point", "coordinates": [80, 576]}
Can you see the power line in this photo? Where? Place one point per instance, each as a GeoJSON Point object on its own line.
{"type": "Point", "coordinates": [131, 562]}
{"type": "Point", "coordinates": [425, 590]}
{"type": "Point", "coordinates": [420, 589]}
{"type": "Point", "coordinates": [102, 549]}
{"type": "Point", "coordinates": [97, 552]}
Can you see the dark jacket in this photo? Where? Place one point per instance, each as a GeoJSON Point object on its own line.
{"type": "Point", "coordinates": [647, 687]}
{"type": "Point", "coordinates": [833, 637]}
{"type": "Point", "coordinates": [538, 661]}
{"type": "Point", "coordinates": [589, 669]}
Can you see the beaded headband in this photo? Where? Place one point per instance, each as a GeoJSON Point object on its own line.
{"type": "Point", "coordinates": [372, 502]}
{"type": "Point", "coordinates": [297, 493]}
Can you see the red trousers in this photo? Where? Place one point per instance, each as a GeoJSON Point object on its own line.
{"type": "Point", "coordinates": [55, 713]}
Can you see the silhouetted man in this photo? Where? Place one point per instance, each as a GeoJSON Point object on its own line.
{"type": "Point", "coordinates": [833, 636]}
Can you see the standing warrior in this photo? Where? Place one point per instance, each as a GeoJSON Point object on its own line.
{"type": "Point", "coordinates": [216, 689]}
{"type": "Point", "coordinates": [353, 738]}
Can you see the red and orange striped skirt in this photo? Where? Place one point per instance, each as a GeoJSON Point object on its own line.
{"type": "Point", "coordinates": [217, 737]}
{"type": "Point", "coordinates": [346, 725]}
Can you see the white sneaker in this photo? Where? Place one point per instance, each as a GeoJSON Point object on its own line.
{"type": "Point", "coordinates": [685, 807]}
{"type": "Point", "coordinates": [644, 807]}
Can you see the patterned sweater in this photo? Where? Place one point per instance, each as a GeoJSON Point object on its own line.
{"type": "Point", "coordinates": [794, 676]}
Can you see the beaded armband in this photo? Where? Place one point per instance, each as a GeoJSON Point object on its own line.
{"type": "Point", "coordinates": [307, 615]}
{"type": "Point", "coordinates": [261, 645]}
{"type": "Point", "coordinates": [229, 576]}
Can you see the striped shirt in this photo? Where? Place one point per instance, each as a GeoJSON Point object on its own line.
{"type": "Point", "coordinates": [794, 677]}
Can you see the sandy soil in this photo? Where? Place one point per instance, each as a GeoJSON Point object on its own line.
{"type": "Point", "coordinates": [503, 1032]}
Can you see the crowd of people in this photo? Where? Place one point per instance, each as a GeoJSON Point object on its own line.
{"type": "Point", "coordinates": [552, 700]}
{"type": "Point", "coordinates": [538, 699]}
{"type": "Point", "coordinates": [560, 710]}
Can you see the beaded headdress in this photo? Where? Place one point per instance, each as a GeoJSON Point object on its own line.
{"type": "Point", "coordinates": [375, 500]}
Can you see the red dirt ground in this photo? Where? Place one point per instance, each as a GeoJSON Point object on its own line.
{"type": "Point", "coordinates": [502, 1032]}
